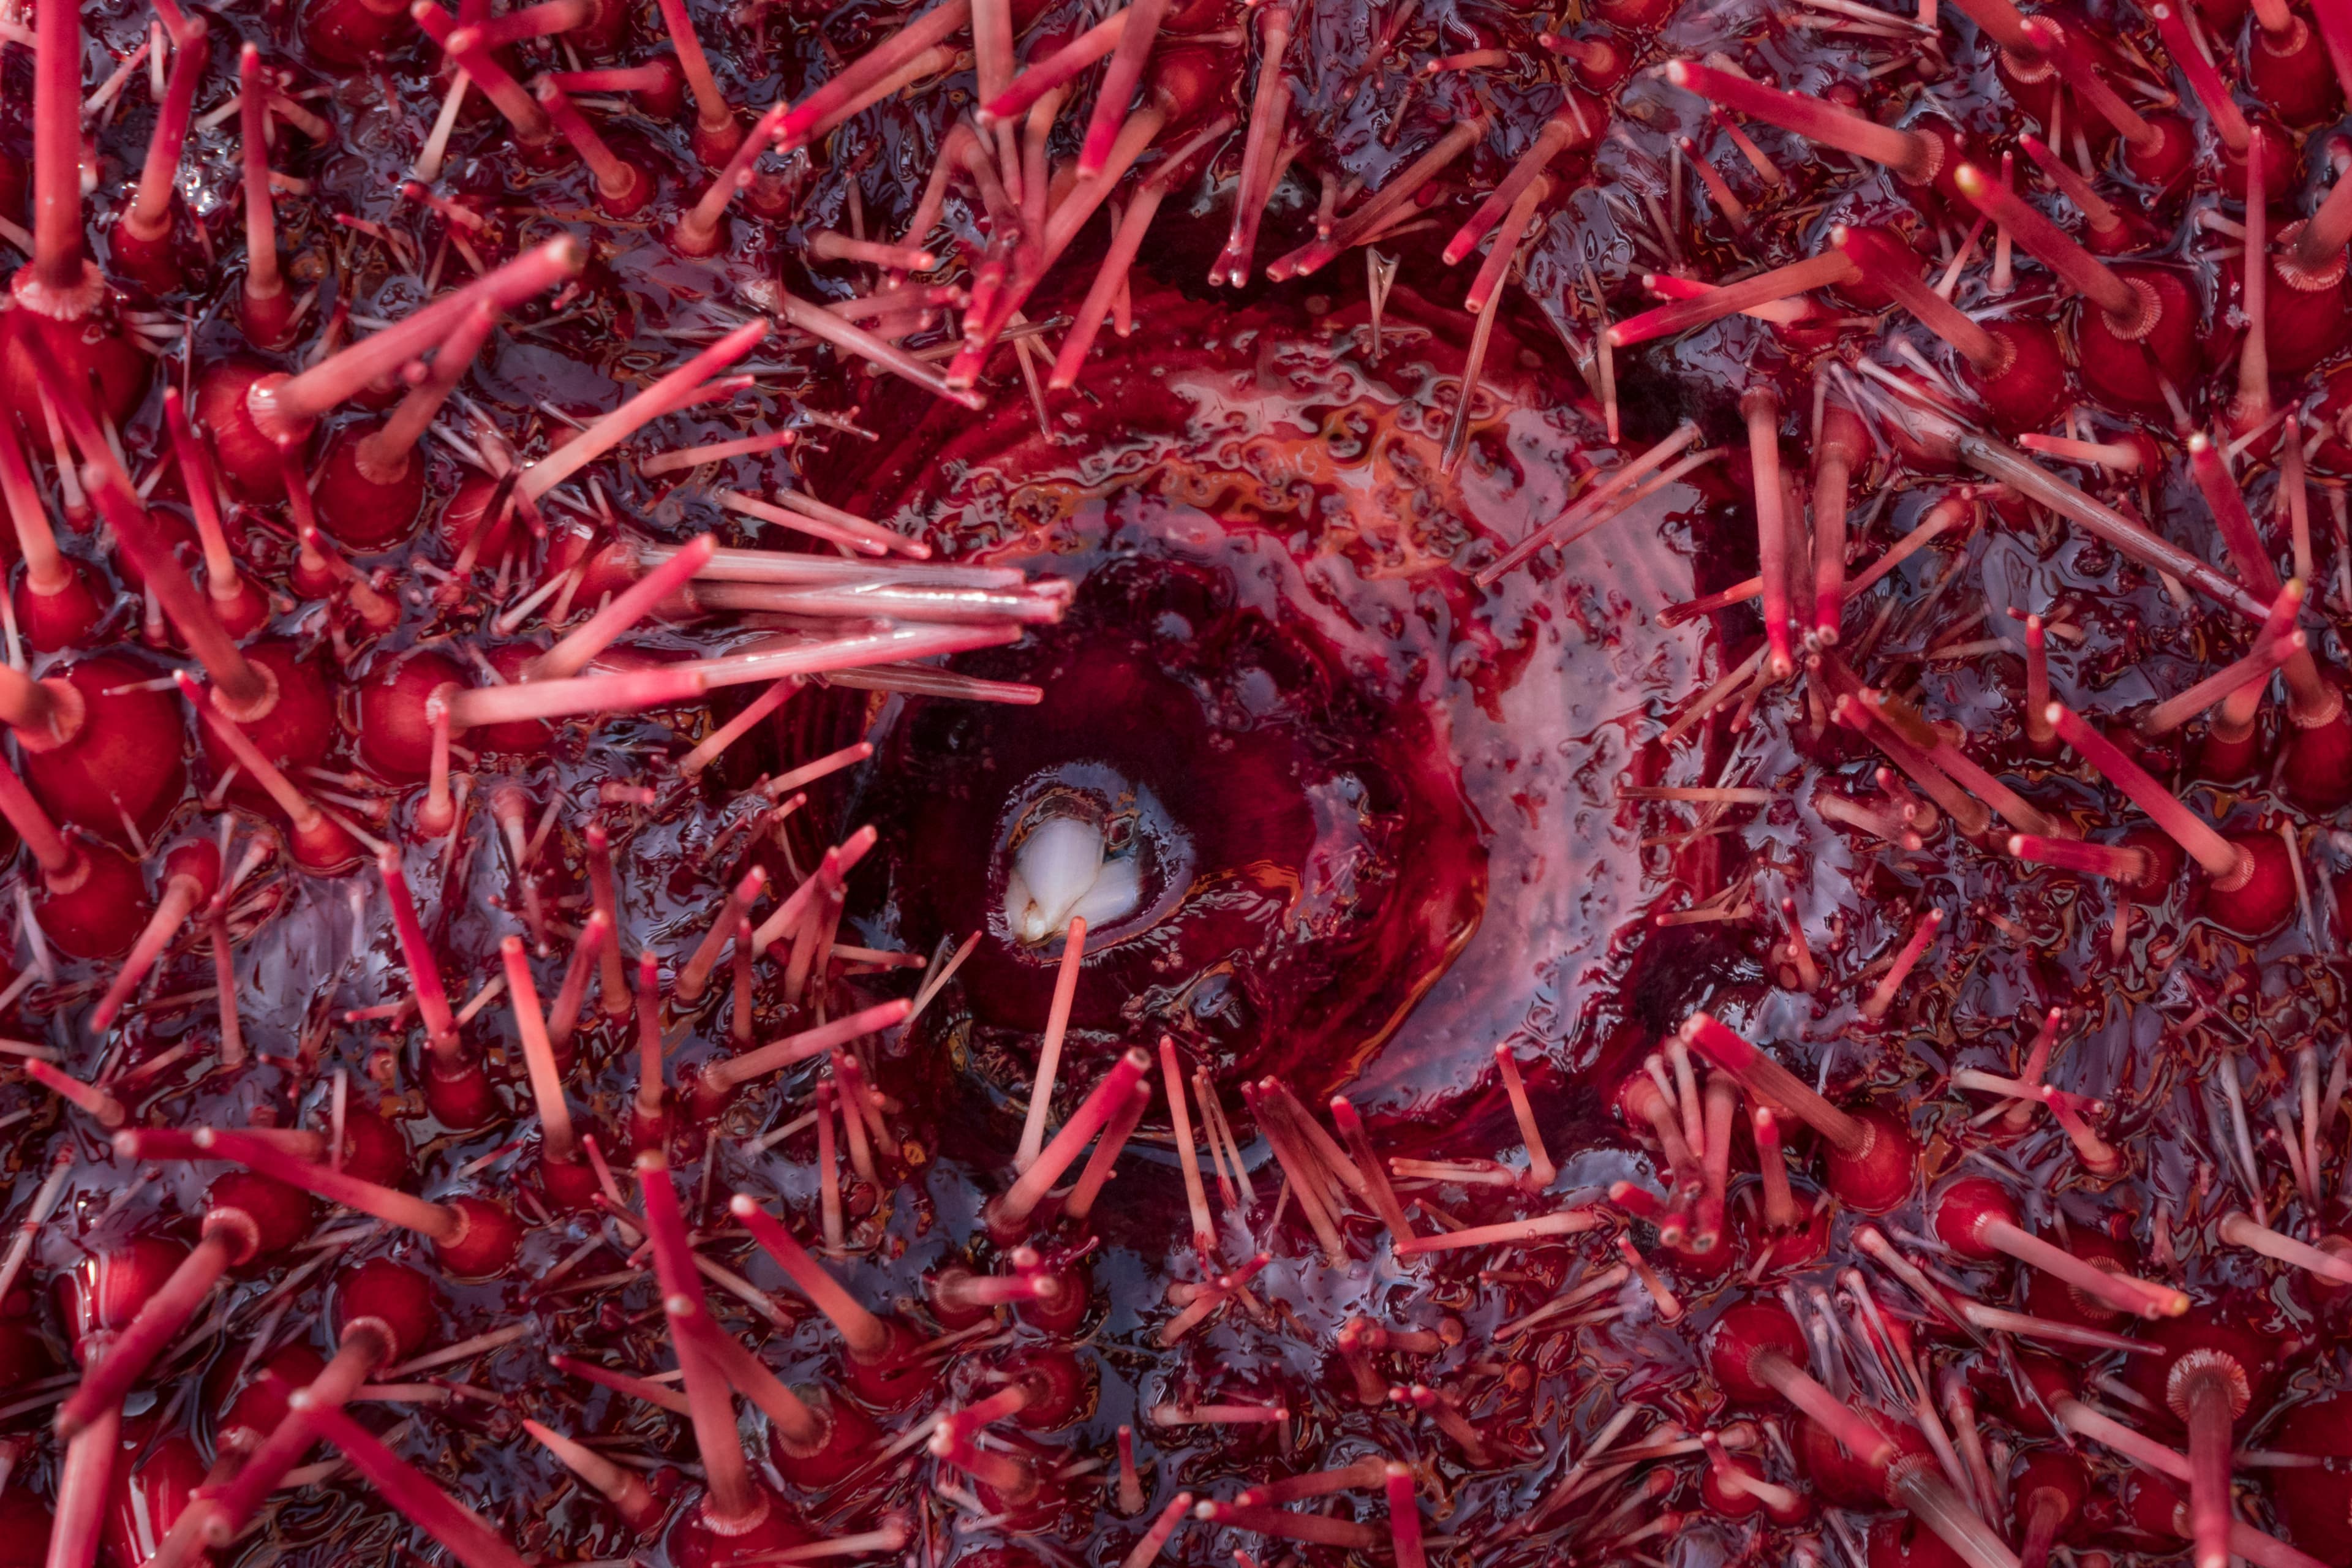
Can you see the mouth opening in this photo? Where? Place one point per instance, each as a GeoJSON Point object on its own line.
{"type": "Point", "coordinates": [1299, 730]}
{"type": "Point", "coordinates": [1256, 839]}
{"type": "Point", "coordinates": [1084, 843]}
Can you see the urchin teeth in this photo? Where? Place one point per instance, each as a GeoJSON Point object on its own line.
{"type": "Point", "coordinates": [1055, 867]}
{"type": "Point", "coordinates": [1118, 889]}
{"type": "Point", "coordinates": [1058, 872]}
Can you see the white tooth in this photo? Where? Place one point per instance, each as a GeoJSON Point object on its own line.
{"type": "Point", "coordinates": [1058, 863]}
{"type": "Point", "coordinates": [1118, 890]}
{"type": "Point", "coordinates": [1020, 907]}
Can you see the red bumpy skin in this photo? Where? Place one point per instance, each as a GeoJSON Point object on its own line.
{"type": "Point", "coordinates": [359, 507]}
{"type": "Point", "coordinates": [487, 1245]}
{"type": "Point", "coordinates": [399, 1299]}
{"type": "Point", "coordinates": [2046, 1495]}
{"type": "Point", "coordinates": [2266, 899]}
{"type": "Point", "coordinates": [2120, 362]}
{"type": "Point", "coordinates": [848, 1440]}
{"type": "Point", "coordinates": [1740, 1335]}
{"type": "Point", "coordinates": [2046, 1295]}
{"type": "Point", "coordinates": [299, 723]}
{"type": "Point", "coordinates": [95, 906]}
{"type": "Point", "coordinates": [119, 755]}
{"type": "Point", "coordinates": [101, 1296]}
{"type": "Point", "coordinates": [2316, 1512]}
{"type": "Point", "coordinates": [2316, 771]}
{"type": "Point", "coordinates": [148, 1496]}
{"type": "Point", "coordinates": [2291, 73]}
{"type": "Point", "coordinates": [351, 35]}
{"type": "Point", "coordinates": [396, 736]}
{"type": "Point", "coordinates": [1884, 1173]}
{"type": "Point", "coordinates": [375, 1149]}
{"type": "Point", "coordinates": [1904, 1543]}
{"type": "Point", "coordinates": [694, 1542]}
{"type": "Point", "coordinates": [2030, 388]}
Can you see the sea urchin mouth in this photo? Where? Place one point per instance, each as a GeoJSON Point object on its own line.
{"type": "Point", "coordinates": [1302, 863]}
{"type": "Point", "coordinates": [1269, 772]}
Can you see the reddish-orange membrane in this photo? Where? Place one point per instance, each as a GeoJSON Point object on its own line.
{"type": "Point", "coordinates": [996, 784]}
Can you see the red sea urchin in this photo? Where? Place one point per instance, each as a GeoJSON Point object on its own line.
{"type": "Point", "coordinates": [1197, 690]}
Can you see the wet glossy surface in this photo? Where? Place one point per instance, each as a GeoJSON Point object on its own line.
{"type": "Point", "coordinates": [1275, 634]}
{"type": "Point", "coordinates": [1386, 810]}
